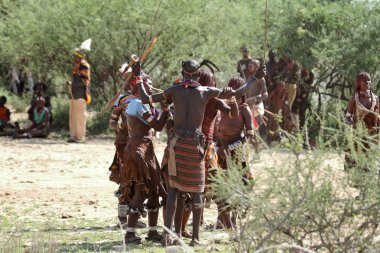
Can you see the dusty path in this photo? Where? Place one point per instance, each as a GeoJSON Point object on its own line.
{"type": "Point", "coordinates": [58, 176]}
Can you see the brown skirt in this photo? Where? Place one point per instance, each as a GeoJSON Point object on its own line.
{"type": "Point", "coordinates": [143, 168]}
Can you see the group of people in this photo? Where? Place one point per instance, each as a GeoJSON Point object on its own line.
{"type": "Point", "coordinates": [39, 113]}
{"type": "Point", "coordinates": [204, 124]}
{"type": "Point", "coordinates": [282, 99]}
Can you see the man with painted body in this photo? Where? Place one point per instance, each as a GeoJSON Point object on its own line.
{"type": "Point", "coordinates": [187, 143]}
{"type": "Point", "coordinates": [214, 105]}
{"type": "Point", "coordinates": [242, 64]}
{"type": "Point", "coordinates": [234, 133]}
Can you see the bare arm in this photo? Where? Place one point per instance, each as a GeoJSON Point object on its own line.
{"type": "Point", "coordinates": [263, 94]}
{"type": "Point", "coordinates": [248, 121]}
{"type": "Point", "coordinates": [239, 92]}
{"type": "Point", "coordinates": [231, 108]}
{"type": "Point", "coordinates": [156, 122]}
{"type": "Point", "coordinates": [148, 99]}
{"type": "Point", "coordinates": [44, 123]}
{"type": "Point", "coordinates": [113, 123]}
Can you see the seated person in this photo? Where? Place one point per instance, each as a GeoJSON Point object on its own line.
{"type": "Point", "coordinates": [40, 126]}
{"type": "Point", "coordinates": [39, 90]}
{"type": "Point", "coordinates": [5, 114]}
{"type": "Point", "coordinates": [6, 127]}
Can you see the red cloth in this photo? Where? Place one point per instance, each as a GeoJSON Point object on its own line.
{"type": "Point", "coordinates": [4, 114]}
{"type": "Point", "coordinates": [255, 124]}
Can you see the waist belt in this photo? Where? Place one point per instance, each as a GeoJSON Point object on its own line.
{"type": "Point", "coordinates": [189, 133]}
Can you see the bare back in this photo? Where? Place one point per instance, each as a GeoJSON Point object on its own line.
{"type": "Point", "coordinates": [189, 104]}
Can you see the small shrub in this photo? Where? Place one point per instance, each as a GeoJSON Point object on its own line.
{"type": "Point", "coordinates": [19, 104]}
{"type": "Point", "coordinates": [61, 112]}
{"type": "Point", "coordinates": [99, 123]}
{"type": "Point", "coordinates": [302, 202]}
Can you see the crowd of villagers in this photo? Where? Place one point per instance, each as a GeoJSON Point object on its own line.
{"type": "Point", "coordinates": [207, 127]}
{"type": "Point", "coordinates": [39, 115]}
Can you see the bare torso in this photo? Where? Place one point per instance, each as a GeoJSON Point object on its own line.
{"type": "Point", "coordinates": [230, 129]}
{"type": "Point", "coordinates": [189, 104]}
{"type": "Point", "coordinates": [367, 115]}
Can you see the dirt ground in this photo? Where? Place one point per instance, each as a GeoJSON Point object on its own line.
{"type": "Point", "coordinates": [62, 190]}
{"type": "Point", "coordinates": [56, 175]}
{"type": "Point", "coordinates": [51, 185]}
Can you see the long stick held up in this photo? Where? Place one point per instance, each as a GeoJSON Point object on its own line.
{"type": "Point", "coordinates": [133, 61]}
{"type": "Point", "coordinates": [265, 30]}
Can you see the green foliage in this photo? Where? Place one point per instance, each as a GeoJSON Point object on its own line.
{"type": "Point", "coordinates": [47, 31]}
{"type": "Point", "coordinates": [99, 123]}
{"type": "Point", "coordinates": [19, 104]}
{"type": "Point", "coordinates": [60, 111]}
{"type": "Point", "coordinates": [304, 200]}
{"type": "Point", "coordinates": [337, 39]}
{"type": "Point", "coordinates": [315, 32]}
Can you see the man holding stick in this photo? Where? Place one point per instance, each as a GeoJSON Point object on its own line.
{"type": "Point", "coordinates": [80, 97]}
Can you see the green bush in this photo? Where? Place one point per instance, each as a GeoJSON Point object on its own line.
{"type": "Point", "coordinates": [19, 104]}
{"type": "Point", "coordinates": [99, 123]}
{"type": "Point", "coordinates": [307, 200]}
{"type": "Point", "coordinates": [60, 111]}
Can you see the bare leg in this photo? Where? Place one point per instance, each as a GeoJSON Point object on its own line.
{"type": "Point", "coordinates": [153, 235]}
{"type": "Point", "coordinates": [224, 216]}
{"type": "Point", "coordinates": [171, 206]}
{"type": "Point", "coordinates": [164, 214]}
{"type": "Point", "coordinates": [137, 202]}
{"type": "Point", "coordinates": [185, 219]}
{"type": "Point", "coordinates": [197, 212]}
{"type": "Point", "coordinates": [179, 215]}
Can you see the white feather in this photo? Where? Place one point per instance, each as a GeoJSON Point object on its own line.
{"type": "Point", "coordinates": [86, 45]}
{"type": "Point", "coordinates": [122, 69]}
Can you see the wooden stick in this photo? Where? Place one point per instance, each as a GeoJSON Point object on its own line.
{"type": "Point", "coordinates": [141, 60]}
{"type": "Point", "coordinates": [265, 30]}
{"type": "Point", "coordinates": [68, 86]}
